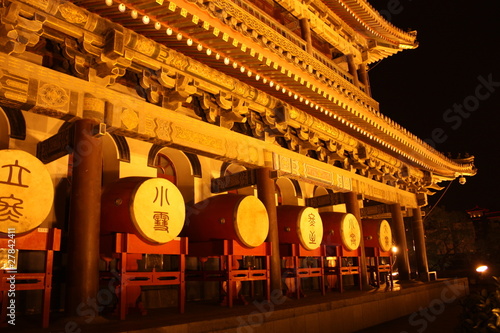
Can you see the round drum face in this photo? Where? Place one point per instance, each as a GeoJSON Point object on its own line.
{"type": "Point", "coordinates": [310, 228]}
{"type": "Point", "coordinates": [251, 221]}
{"type": "Point", "coordinates": [385, 236]}
{"type": "Point", "coordinates": [350, 231]}
{"type": "Point", "coordinates": [26, 191]}
{"type": "Point", "coordinates": [157, 210]}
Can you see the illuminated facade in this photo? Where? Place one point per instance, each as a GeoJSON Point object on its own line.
{"type": "Point", "coordinates": [195, 91]}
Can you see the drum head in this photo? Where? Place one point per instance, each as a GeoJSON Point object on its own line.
{"type": "Point", "coordinates": [385, 236]}
{"type": "Point", "coordinates": [251, 221]}
{"type": "Point", "coordinates": [26, 191]}
{"type": "Point", "coordinates": [350, 232]}
{"type": "Point", "coordinates": [310, 228]}
{"type": "Point", "coordinates": [157, 210]}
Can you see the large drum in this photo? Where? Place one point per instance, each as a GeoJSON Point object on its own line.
{"type": "Point", "coordinates": [377, 233]}
{"type": "Point", "coordinates": [228, 216]}
{"type": "Point", "coordinates": [300, 225]}
{"type": "Point", "coordinates": [26, 192]}
{"type": "Point", "coordinates": [152, 208]}
{"type": "Point", "coordinates": [341, 229]}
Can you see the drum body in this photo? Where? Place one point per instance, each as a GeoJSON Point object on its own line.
{"type": "Point", "coordinates": [341, 229]}
{"type": "Point", "coordinates": [299, 225]}
{"type": "Point", "coordinates": [228, 216]}
{"type": "Point", "coordinates": [152, 208]}
{"type": "Point", "coordinates": [377, 233]}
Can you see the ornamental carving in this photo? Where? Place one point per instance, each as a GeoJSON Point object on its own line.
{"type": "Point", "coordinates": [164, 130]}
{"type": "Point", "coordinates": [13, 87]}
{"type": "Point", "coordinates": [146, 46]}
{"type": "Point", "coordinates": [175, 59]}
{"type": "Point", "coordinates": [198, 139]}
{"type": "Point", "coordinates": [53, 96]}
{"type": "Point", "coordinates": [129, 118]}
{"type": "Point", "coordinates": [200, 70]}
{"type": "Point", "coordinates": [150, 126]}
{"type": "Point", "coordinates": [72, 13]}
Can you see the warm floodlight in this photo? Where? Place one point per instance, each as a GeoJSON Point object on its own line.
{"type": "Point", "coordinates": [482, 269]}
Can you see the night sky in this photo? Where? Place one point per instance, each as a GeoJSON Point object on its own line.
{"type": "Point", "coordinates": [436, 87]}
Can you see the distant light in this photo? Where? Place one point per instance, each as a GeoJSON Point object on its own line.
{"type": "Point", "coordinates": [394, 249]}
{"type": "Point", "coordinates": [482, 269]}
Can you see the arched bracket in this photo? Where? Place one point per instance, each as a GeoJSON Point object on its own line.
{"type": "Point", "coordinates": [16, 122]}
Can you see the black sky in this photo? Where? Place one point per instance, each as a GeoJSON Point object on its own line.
{"type": "Point", "coordinates": [459, 42]}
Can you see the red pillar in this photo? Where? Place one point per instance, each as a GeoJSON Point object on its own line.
{"type": "Point", "coordinates": [85, 210]}
{"type": "Point", "coordinates": [352, 206]}
{"type": "Point", "coordinates": [352, 69]}
{"type": "Point", "coordinates": [398, 225]}
{"type": "Point", "coordinates": [420, 249]}
{"type": "Point", "coordinates": [265, 192]}
{"type": "Point", "coordinates": [305, 30]}
{"type": "Point", "coordinates": [364, 78]}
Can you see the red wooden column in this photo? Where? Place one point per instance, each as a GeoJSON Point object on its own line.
{"type": "Point", "coordinates": [402, 260]}
{"type": "Point", "coordinates": [352, 69]}
{"type": "Point", "coordinates": [265, 192]}
{"type": "Point", "coordinates": [85, 210]}
{"type": "Point", "coordinates": [305, 31]}
{"type": "Point", "coordinates": [352, 206]}
{"type": "Point", "coordinates": [420, 249]}
{"type": "Point", "coordinates": [364, 78]}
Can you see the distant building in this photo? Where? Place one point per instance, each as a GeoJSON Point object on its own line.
{"type": "Point", "coordinates": [487, 227]}
{"type": "Point", "coordinates": [477, 213]}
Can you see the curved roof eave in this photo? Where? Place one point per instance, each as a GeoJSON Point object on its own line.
{"type": "Point", "coordinates": [366, 20]}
